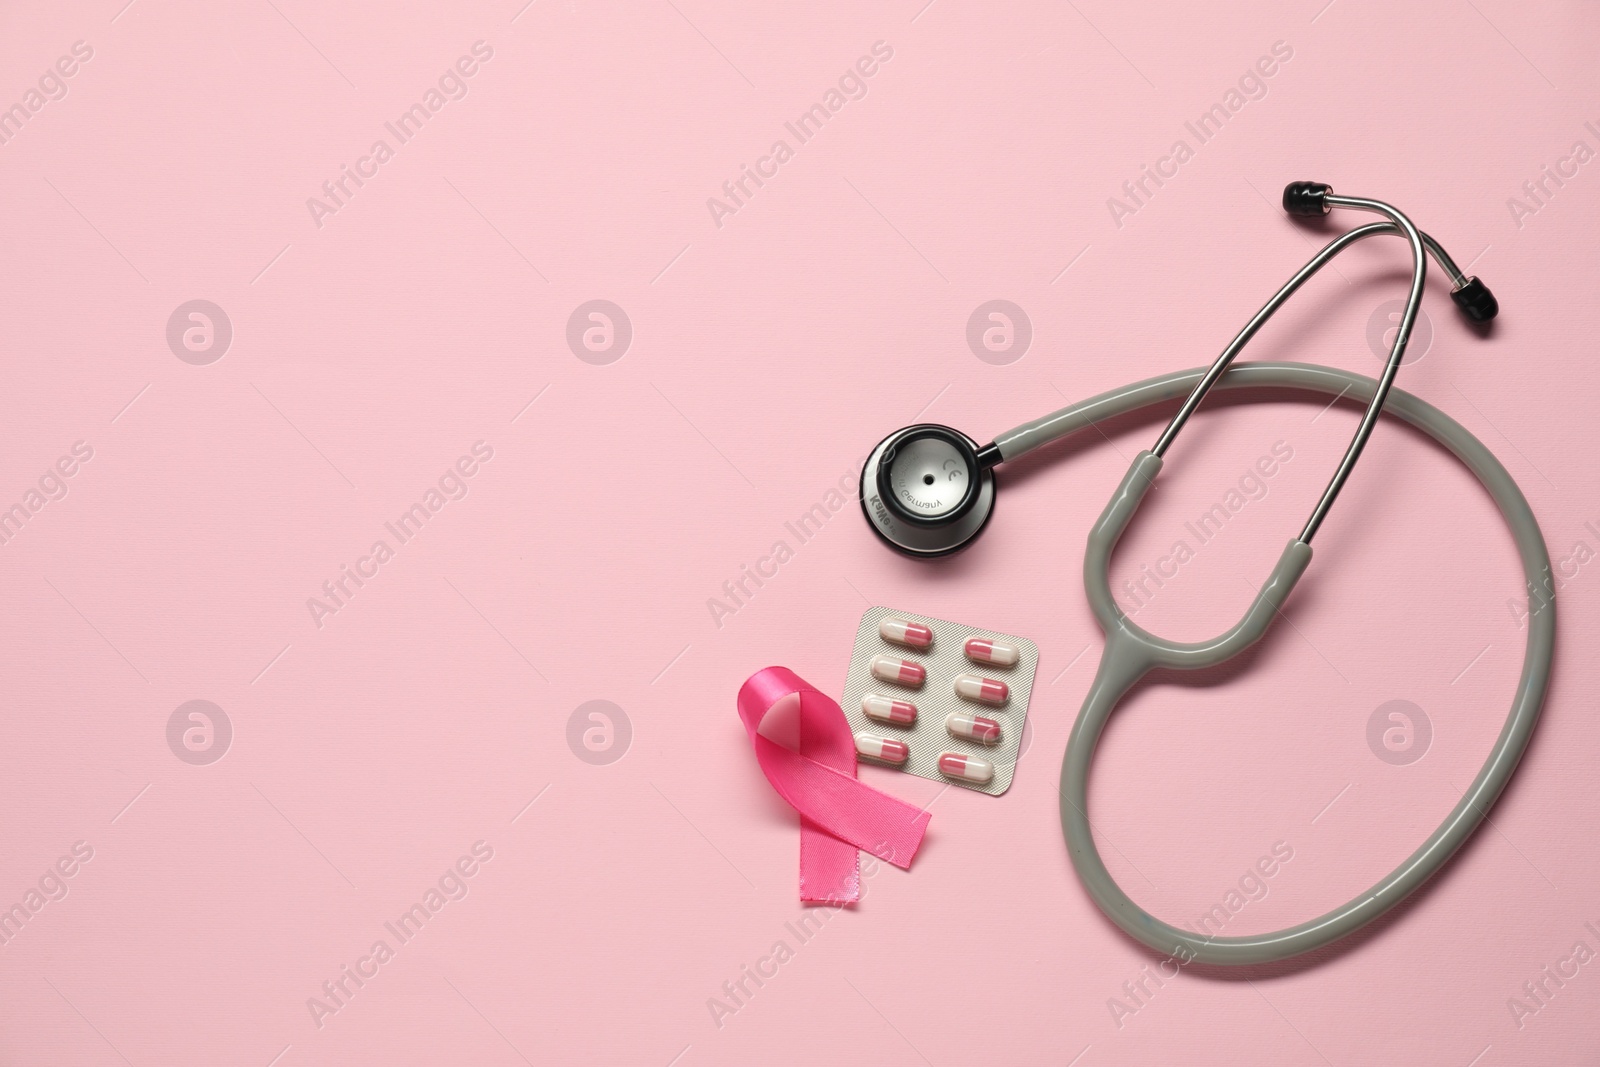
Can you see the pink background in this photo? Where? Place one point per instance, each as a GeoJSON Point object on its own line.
{"type": "Point", "coordinates": [768, 355]}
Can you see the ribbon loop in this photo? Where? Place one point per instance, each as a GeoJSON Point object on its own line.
{"type": "Point", "coordinates": [838, 814]}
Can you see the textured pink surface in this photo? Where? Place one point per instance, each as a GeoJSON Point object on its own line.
{"type": "Point", "coordinates": [611, 907]}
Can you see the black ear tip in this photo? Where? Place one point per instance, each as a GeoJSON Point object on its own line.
{"type": "Point", "coordinates": [1475, 300]}
{"type": "Point", "coordinates": [1306, 198]}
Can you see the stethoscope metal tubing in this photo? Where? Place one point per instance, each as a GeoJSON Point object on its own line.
{"type": "Point", "coordinates": [1398, 223]}
{"type": "Point", "coordinates": [1031, 435]}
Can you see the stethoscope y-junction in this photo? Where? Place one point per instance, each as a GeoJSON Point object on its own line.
{"type": "Point", "coordinates": [929, 490]}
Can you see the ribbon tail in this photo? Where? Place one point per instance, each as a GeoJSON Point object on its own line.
{"type": "Point", "coordinates": [830, 869]}
{"type": "Point", "coordinates": [890, 829]}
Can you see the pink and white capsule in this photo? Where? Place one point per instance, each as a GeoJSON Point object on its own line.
{"type": "Point", "coordinates": [910, 634]}
{"type": "Point", "coordinates": [983, 690]}
{"type": "Point", "coordinates": [898, 671]}
{"type": "Point", "coordinates": [977, 728]}
{"type": "Point", "coordinates": [973, 769]}
{"type": "Point", "coordinates": [899, 712]}
{"type": "Point", "coordinates": [988, 650]}
{"type": "Point", "coordinates": [882, 748]}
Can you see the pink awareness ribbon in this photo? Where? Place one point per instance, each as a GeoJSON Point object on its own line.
{"type": "Point", "coordinates": [838, 815]}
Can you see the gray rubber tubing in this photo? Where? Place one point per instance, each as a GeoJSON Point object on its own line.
{"type": "Point", "coordinates": [1130, 652]}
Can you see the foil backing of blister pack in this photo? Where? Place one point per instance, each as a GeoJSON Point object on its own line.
{"type": "Point", "coordinates": [927, 738]}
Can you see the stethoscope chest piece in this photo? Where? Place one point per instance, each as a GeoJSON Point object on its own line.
{"type": "Point", "coordinates": [925, 492]}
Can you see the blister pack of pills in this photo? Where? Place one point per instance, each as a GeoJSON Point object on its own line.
{"type": "Point", "coordinates": [939, 700]}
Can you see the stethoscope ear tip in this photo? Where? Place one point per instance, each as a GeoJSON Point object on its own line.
{"type": "Point", "coordinates": [1475, 300]}
{"type": "Point", "coordinates": [1307, 198]}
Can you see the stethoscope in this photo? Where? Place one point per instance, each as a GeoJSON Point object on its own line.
{"type": "Point", "coordinates": [929, 490]}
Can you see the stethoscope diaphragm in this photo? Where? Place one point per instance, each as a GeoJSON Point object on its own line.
{"type": "Point", "coordinates": [925, 492]}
